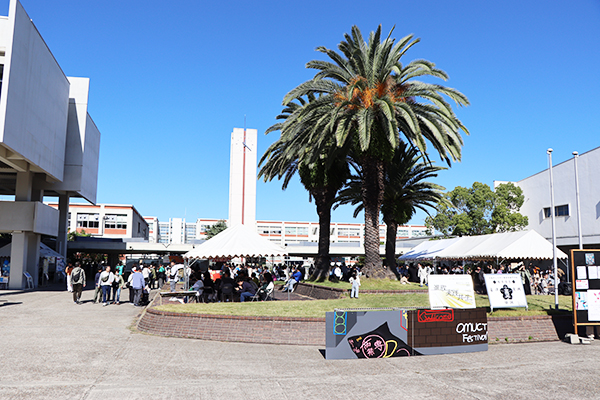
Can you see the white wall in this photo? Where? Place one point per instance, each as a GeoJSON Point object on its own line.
{"type": "Point", "coordinates": [536, 190]}
{"type": "Point", "coordinates": [240, 195]}
{"type": "Point", "coordinates": [34, 98]}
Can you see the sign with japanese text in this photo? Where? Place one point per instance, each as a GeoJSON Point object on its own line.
{"type": "Point", "coordinates": [451, 291]}
{"type": "Point", "coordinates": [505, 290]}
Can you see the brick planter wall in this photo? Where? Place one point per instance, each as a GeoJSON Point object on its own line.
{"type": "Point", "coordinates": [311, 331]}
{"type": "Point", "coordinates": [272, 330]}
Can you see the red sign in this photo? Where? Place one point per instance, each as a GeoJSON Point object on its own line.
{"type": "Point", "coordinates": [446, 315]}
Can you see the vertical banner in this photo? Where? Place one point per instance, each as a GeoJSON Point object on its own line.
{"type": "Point", "coordinates": [451, 291]}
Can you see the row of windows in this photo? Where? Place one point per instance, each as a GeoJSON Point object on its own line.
{"type": "Point", "coordinates": [559, 211]}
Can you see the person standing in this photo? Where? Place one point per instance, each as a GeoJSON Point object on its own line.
{"type": "Point", "coordinates": [97, 288]}
{"type": "Point", "coordinates": [355, 282]}
{"type": "Point", "coordinates": [161, 276]}
{"type": "Point", "coordinates": [106, 280]}
{"type": "Point", "coordinates": [117, 286]}
{"type": "Point", "coordinates": [78, 282]}
{"type": "Point", "coordinates": [137, 284]}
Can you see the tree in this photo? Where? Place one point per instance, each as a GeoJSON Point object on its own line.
{"type": "Point", "coordinates": [405, 191]}
{"type": "Point", "coordinates": [215, 229]}
{"type": "Point", "coordinates": [374, 103]}
{"type": "Point", "coordinates": [479, 210]}
{"type": "Point", "coordinates": [72, 236]}
{"type": "Point", "coordinates": [322, 177]}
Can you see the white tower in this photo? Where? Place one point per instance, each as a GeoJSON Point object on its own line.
{"type": "Point", "coordinates": [242, 177]}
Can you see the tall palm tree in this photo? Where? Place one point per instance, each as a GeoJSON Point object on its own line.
{"type": "Point", "coordinates": [322, 177]}
{"type": "Point", "coordinates": [374, 103]}
{"type": "Point", "coordinates": [405, 191]}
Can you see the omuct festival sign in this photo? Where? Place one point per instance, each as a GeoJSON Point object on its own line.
{"type": "Point", "coordinates": [410, 332]}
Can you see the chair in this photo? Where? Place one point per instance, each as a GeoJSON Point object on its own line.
{"type": "Point", "coordinates": [226, 291]}
{"type": "Point", "coordinates": [267, 293]}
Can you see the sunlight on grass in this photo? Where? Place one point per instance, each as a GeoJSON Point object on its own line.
{"type": "Point", "coordinates": [538, 305]}
{"type": "Point", "coordinates": [372, 284]}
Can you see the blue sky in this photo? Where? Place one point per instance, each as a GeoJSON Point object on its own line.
{"type": "Point", "coordinates": [169, 81]}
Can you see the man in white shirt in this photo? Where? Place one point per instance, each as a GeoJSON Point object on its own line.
{"type": "Point", "coordinates": [106, 280]}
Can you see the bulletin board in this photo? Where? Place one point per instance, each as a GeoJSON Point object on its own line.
{"type": "Point", "coordinates": [585, 269]}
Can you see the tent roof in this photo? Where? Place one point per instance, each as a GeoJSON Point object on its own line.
{"type": "Point", "coordinates": [45, 251]}
{"type": "Point", "coordinates": [237, 241]}
{"type": "Point", "coordinates": [514, 245]}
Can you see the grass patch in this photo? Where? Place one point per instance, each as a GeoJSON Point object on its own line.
{"type": "Point", "coordinates": [538, 305]}
{"type": "Point", "coordinates": [372, 284]}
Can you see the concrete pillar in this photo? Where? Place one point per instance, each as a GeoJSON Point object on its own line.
{"type": "Point", "coordinates": [24, 186]}
{"type": "Point", "coordinates": [24, 256]}
{"type": "Point", "coordinates": [63, 220]}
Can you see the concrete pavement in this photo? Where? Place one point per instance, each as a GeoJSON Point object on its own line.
{"type": "Point", "coordinates": [53, 349]}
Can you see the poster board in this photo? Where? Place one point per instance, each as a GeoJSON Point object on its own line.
{"type": "Point", "coordinates": [585, 269]}
{"type": "Point", "coordinates": [505, 290]}
{"type": "Point", "coordinates": [451, 291]}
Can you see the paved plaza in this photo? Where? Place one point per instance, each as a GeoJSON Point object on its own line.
{"type": "Point", "coordinates": [54, 349]}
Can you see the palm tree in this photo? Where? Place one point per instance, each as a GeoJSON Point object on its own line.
{"type": "Point", "coordinates": [405, 191]}
{"type": "Point", "coordinates": [374, 103]}
{"type": "Point", "coordinates": [323, 177]}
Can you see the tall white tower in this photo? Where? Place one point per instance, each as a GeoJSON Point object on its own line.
{"type": "Point", "coordinates": [242, 177]}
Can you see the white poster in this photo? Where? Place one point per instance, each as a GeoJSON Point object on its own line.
{"type": "Point", "coordinates": [505, 290]}
{"type": "Point", "coordinates": [592, 272]}
{"type": "Point", "coordinates": [582, 284]}
{"type": "Point", "coordinates": [593, 304]}
{"type": "Point", "coordinates": [452, 291]}
{"type": "Point", "coordinates": [581, 273]}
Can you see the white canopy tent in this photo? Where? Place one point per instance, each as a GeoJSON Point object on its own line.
{"type": "Point", "coordinates": [510, 245]}
{"type": "Point", "coordinates": [237, 241]}
{"type": "Point", "coordinates": [45, 251]}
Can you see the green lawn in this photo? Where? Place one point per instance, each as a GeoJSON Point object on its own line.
{"type": "Point", "coordinates": [372, 284]}
{"type": "Point", "coordinates": [538, 305]}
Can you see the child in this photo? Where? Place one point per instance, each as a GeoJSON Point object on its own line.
{"type": "Point", "coordinates": [355, 282]}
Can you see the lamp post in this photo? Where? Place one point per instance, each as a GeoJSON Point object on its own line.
{"type": "Point", "coordinates": [575, 158]}
{"type": "Point", "coordinates": [549, 152]}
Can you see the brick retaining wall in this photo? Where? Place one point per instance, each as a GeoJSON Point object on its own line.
{"type": "Point", "coordinates": [311, 331]}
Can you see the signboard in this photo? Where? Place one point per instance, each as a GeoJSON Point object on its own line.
{"type": "Point", "coordinates": [403, 333]}
{"type": "Point", "coordinates": [451, 291]}
{"type": "Point", "coordinates": [585, 267]}
{"type": "Point", "coordinates": [505, 290]}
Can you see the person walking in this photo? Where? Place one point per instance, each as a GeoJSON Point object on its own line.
{"type": "Point", "coordinates": [97, 288]}
{"type": "Point", "coordinates": [137, 284]}
{"type": "Point", "coordinates": [117, 285]}
{"type": "Point", "coordinates": [78, 282]}
{"type": "Point", "coordinates": [68, 271]}
{"type": "Point", "coordinates": [106, 280]}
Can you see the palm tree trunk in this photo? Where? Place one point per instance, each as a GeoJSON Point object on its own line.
{"type": "Point", "coordinates": [372, 194]}
{"type": "Point", "coordinates": [323, 200]}
{"type": "Point", "coordinates": [390, 245]}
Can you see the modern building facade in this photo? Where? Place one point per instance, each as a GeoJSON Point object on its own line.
{"type": "Point", "coordinates": [49, 145]}
{"type": "Point", "coordinates": [537, 208]}
{"type": "Point", "coordinates": [107, 220]}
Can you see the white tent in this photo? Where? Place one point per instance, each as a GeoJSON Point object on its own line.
{"type": "Point", "coordinates": [45, 251]}
{"type": "Point", "coordinates": [237, 241]}
{"type": "Point", "coordinates": [510, 245]}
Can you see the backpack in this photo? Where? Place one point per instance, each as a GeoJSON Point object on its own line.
{"type": "Point", "coordinates": [76, 275]}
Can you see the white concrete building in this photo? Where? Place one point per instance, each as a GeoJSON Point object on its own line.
{"type": "Point", "coordinates": [49, 145]}
{"type": "Point", "coordinates": [111, 221]}
{"type": "Point", "coordinates": [536, 207]}
{"type": "Point", "coordinates": [242, 177]}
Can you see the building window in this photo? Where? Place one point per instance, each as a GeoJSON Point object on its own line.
{"type": "Point", "coordinates": [559, 211]}
{"type": "Point", "coordinates": [269, 230]}
{"type": "Point", "coordinates": [115, 221]}
{"type": "Point", "coordinates": [88, 220]}
{"type": "Point", "coordinates": [347, 232]}
{"type": "Point", "coordinates": [296, 230]}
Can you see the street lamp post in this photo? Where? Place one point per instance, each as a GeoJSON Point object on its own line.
{"type": "Point", "coordinates": [575, 158]}
{"type": "Point", "coordinates": [552, 212]}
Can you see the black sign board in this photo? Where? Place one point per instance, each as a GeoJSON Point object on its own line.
{"type": "Point", "coordinates": [585, 269]}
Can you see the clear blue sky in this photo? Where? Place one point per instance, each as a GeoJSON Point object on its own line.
{"type": "Point", "coordinates": [169, 81]}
